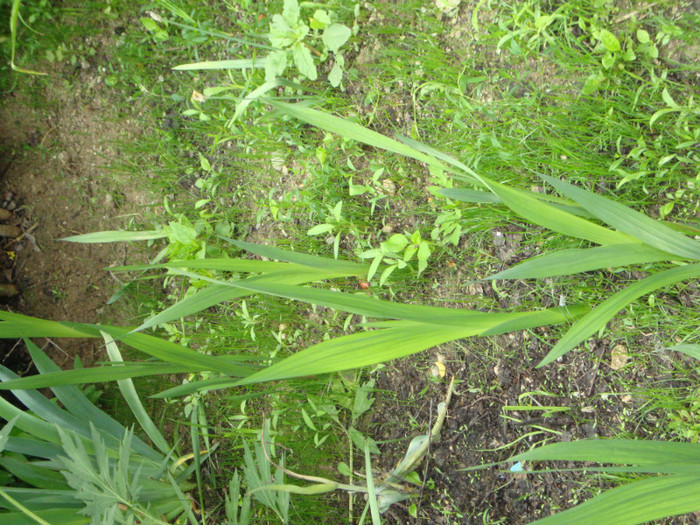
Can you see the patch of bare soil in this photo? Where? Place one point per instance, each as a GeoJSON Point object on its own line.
{"type": "Point", "coordinates": [55, 144]}
{"type": "Point", "coordinates": [480, 428]}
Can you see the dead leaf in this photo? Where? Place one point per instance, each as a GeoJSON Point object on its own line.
{"type": "Point", "coordinates": [197, 96]}
{"type": "Point", "coordinates": [618, 357]}
{"type": "Point", "coordinates": [438, 369]}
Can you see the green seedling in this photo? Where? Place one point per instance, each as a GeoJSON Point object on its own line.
{"type": "Point", "coordinates": [293, 39]}
{"type": "Point", "coordinates": [334, 225]}
{"type": "Point", "coordinates": [375, 188]}
{"type": "Point", "coordinates": [396, 252]}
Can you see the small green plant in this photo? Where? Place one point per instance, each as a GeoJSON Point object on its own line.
{"type": "Point", "coordinates": [81, 465]}
{"type": "Point", "coordinates": [334, 225]}
{"type": "Point", "coordinates": [294, 42]}
{"type": "Point", "coordinates": [396, 252]}
{"type": "Point", "coordinates": [685, 420]}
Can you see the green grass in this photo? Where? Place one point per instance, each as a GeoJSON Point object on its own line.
{"type": "Point", "coordinates": [501, 97]}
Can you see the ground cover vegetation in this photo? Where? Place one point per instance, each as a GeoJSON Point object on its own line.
{"type": "Point", "coordinates": [430, 262]}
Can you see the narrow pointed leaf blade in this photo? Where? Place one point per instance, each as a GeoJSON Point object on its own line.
{"type": "Point", "coordinates": [230, 290]}
{"type": "Point", "coordinates": [97, 374]}
{"type": "Point", "coordinates": [599, 316]}
{"type": "Point", "coordinates": [569, 262]}
{"type": "Point", "coordinates": [116, 236]}
{"type": "Point", "coordinates": [346, 128]}
{"type": "Point", "coordinates": [16, 326]}
{"type": "Point", "coordinates": [631, 222]}
{"type": "Point", "coordinates": [128, 391]}
{"type": "Point", "coordinates": [238, 63]}
{"type": "Point", "coordinates": [302, 259]}
{"type": "Point", "coordinates": [636, 502]}
{"type": "Point", "coordinates": [465, 195]}
{"type": "Point", "coordinates": [176, 354]}
{"type": "Point", "coordinates": [402, 339]}
{"type": "Point", "coordinates": [529, 207]}
{"type": "Point", "coordinates": [616, 451]}
{"type": "Point", "coordinates": [687, 349]}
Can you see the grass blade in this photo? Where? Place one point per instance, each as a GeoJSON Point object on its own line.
{"type": "Point", "coordinates": [238, 63]}
{"type": "Point", "coordinates": [598, 317]}
{"type": "Point", "coordinates": [465, 195]}
{"type": "Point", "coordinates": [637, 502]}
{"type": "Point", "coordinates": [631, 222]}
{"type": "Point", "coordinates": [302, 259]}
{"type": "Point", "coordinates": [228, 291]}
{"type": "Point", "coordinates": [568, 262]}
{"type": "Point", "coordinates": [371, 493]}
{"type": "Point", "coordinates": [126, 387]}
{"type": "Point", "coordinates": [619, 451]}
{"type": "Point", "coordinates": [79, 405]}
{"type": "Point", "coordinates": [17, 326]}
{"type": "Point", "coordinates": [687, 349]}
{"type": "Point", "coordinates": [363, 305]}
{"type": "Point", "coordinates": [346, 128]}
{"type": "Point", "coordinates": [116, 236]}
{"type": "Point", "coordinates": [529, 207]}
{"type": "Point", "coordinates": [402, 339]}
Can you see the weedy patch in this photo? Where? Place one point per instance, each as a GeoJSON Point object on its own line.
{"type": "Point", "coordinates": [511, 185]}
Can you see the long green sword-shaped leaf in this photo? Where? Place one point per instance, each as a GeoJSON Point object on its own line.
{"type": "Point", "coordinates": [98, 374]}
{"type": "Point", "coordinates": [466, 195]}
{"type": "Point", "coordinates": [402, 339]}
{"type": "Point", "coordinates": [619, 451]}
{"type": "Point", "coordinates": [569, 262]}
{"type": "Point", "coordinates": [302, 259]}
{"type": "Point", "coordinates": [228, 291]}
{"type": "Point", "coordinates": [636, 502]}
{"type": "Point", "coordinates": [46, 517]}
{"type": "Point", "coordinates": [222, 264]}
{"type": "Point", "coordinates": [42, 407]}
{"type": "Point", "coordinates": [238, 63]}
{"type": "Point", "coordinates": [688, 349]}
{"type": "Point", "coordinates": [128, 390]}
{"type": "Point", "coordinates": [76, 402]}
{"type": "Point", "coordinates": [529, 207]}
{"type": "Point", "coordinates": [303, 268]}
{"type": "Point", "coordinates": [351, 130]}
{"type": "Point", "coordinates": [363, 305]}
{"type": "Point", "coordinates": [631, 222]}
{"type": "Point", "coordinates": [599, 316]}
{"type": "Point", "coordinates": [116, 236]}
{"type": "Point", "coordinates": [177, 357]}
{"type": "Point", "coordinates": [16, 326]}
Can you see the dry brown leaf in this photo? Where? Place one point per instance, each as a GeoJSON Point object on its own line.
{"type": "Point", "coordinates": [618, 357]}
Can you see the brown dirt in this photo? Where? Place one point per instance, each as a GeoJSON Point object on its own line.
{"type": "Point", "coordinates": [55, 148]}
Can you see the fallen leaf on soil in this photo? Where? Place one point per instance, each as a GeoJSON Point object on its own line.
{"type": "Point", "coordinates": [618, 357]}
{"type": "Point", "coordinates": [438, 369]}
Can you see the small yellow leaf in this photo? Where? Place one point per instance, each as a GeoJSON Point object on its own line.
{"type": "Point", "coordinates": [438, 369]}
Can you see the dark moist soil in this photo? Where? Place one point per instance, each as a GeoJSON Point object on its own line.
{"type": "Point", "coordinates": [478, 430]}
